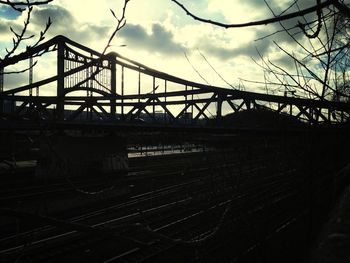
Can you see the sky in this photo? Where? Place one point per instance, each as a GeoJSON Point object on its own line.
{"type": "Point", "coordinates": [159, 34]}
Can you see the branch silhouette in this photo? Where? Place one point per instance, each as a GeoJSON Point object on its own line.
{"type": "Point", "coordinates": [20, 37]}
{"type": "Point", "coordinates": [341, 7]}
{"type": "Point", "coordinates": [21, 6]}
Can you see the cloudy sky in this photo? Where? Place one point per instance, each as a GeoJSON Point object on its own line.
{"type": "Point", "coordinates": [159, 34]}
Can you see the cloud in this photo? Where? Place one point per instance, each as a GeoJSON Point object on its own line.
{"type": "Point", "coordinates": [159, 40]}
{"type": "Point", "coordinates": [5, 24]}
{"type": "Point", "coordinates": [236, 11]}
{"type": "Point", "coordinates": [284, 61]}
{"type": "Point", "coordinates": [224, 52]}
{"type": "Point", "coordinates": [3, 27]}
{"type": "Point", "coordinates": [15, 80]}
{"type": "Point", "coordinates": [8, 12]}
{"type": "Point", "coordinates": [64, 23]}
{"type": "Point", "coordinates": [60, 16]}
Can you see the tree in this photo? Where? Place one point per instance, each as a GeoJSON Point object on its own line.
{"type": "Point", "coordinates": [321, 62]}
{"type": "Point", "coordinates": [20, 37]}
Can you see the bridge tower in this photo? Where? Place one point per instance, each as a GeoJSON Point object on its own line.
{"type": "Point", "coordinates": [113, 61]}
{"type": "Point", "coordinates": [60, 80]}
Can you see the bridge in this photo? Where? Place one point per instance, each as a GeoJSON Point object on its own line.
{"type": "Point", "coordinates": [229, 198]}
{"type": "Point", "coordinates": [95, 88]}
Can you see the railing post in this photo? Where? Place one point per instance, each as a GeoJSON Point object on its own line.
{"type": "Point", "coordinates": [112, 60]}
{"type": "Point", "coordinates": [60, 81]}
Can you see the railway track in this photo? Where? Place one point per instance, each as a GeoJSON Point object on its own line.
{"type": "Point", "coordinates": [162, 215]}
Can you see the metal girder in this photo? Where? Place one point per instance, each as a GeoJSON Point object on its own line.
{"type": "Point", "coordinates": [21, 108]}
{"type": "Point", "coordinates": [232, 105]}
{"type": "Point", "coordinates": [77, 112]}
{"type": "Point", "coordinates": [101, 116]}
{"type": "Point", "coordinates": [43, 109]}
{"type": "Point", "coordinates": [139, 107]}
{"type": "Point", "coordinates": [303, 111]}
{"type": "Point", "coordinates": [201, 111]}
{"type": "Point", "coordinates": [106, 114]}
{"type": "Point", "coordinates": [183, 111]}
{"type": "Point", "coordinates": [165, 109]}
{"type": "Point", "coordinates": [97, 67]}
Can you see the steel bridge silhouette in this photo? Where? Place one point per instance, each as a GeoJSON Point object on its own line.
{"type": "Point", "coordinates": [89, 86]}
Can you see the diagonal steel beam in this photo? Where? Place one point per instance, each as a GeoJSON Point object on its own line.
{"type": "Point", "coordinates": [162, 104]}
{"type": "Point", "coordinates": [77, 112]}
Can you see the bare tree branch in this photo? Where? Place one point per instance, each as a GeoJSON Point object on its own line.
{"type": "Point", "coordinates": [20, 71]}
{"type": "Point", "coordinates": [120, 24]}
{"type": "Point", "coordinates": [319, 23]}
{"type": "Point", "coordinates": [317, 78]}
{"type": "Point", "coordinates": [20, 6]}
{"type": "Point", "coordinates": [276, 19]}
{"type": "Point", "coordinates": [19, 37]}
{"type": "Point", "coordinates": [217, 73]}
{"type": "Point", "coordinates": [194, 68]}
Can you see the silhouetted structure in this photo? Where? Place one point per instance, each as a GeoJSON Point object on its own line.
{"type": "Point", "coordinates": [99, 89]}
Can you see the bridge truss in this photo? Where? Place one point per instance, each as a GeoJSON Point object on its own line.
{"type": "Point", "coordinates": [111, 88]}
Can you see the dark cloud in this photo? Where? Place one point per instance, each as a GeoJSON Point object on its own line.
{"type": "Point", "coordinates": [292, 24]}
{"type": "Point", "coordinates": [159, 40]}
{"type": "Point", "coordinates": [64, 23]}
{"type": "Point", "coordinates": [3, 27]}
{"type": "Point", "coordinates": [223, 53]}
{"type": "Point", "coordinates": [285, 62]}
{"type": "Point", "coordinates": [259, 3]}
{"type": "Point", "coordinates": [276, 31]}
{"type": "Point", "coordinates": [60, 17]}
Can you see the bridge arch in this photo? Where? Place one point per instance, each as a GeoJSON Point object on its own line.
{"type": "Point", "coordinates": [93, 90]}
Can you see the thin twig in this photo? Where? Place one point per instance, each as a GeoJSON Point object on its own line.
{"type": "Point", "coordinates": [20, 6]}
{"type": "Point", "coordinates": [220, 76]}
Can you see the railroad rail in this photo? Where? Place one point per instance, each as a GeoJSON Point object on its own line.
{"type": "Point", "coordinates": [181, 204]}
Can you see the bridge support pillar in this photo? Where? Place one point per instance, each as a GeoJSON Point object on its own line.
{"type": "Point", "coordinates": [219, 107]}
{"type": "Point", "coordinates": [112, 60]}
{"type": "Point", "coordinates": [60, 81]}
{"type": "Point", "coordinates": [248, 105]}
